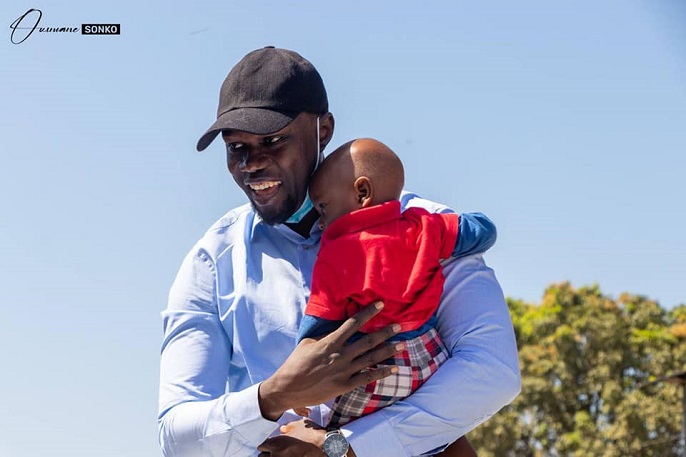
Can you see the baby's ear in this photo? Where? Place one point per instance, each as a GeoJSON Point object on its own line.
{"type": "Point", "coordinates": [363, 191]}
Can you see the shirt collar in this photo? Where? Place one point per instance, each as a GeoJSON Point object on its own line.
{"type": "Point", "coordinates": [286, 231]}
{"type": "Point", "coordinates": [362, 219]}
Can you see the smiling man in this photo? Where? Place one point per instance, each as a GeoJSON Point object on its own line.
{"type": "Point", "coordinates": [230, 367]}
{"type": "Point", "coordinates": [271, 169]}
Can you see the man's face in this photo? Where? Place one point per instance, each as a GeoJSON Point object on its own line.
{"type": "Point", "coordinates": [273, 170]}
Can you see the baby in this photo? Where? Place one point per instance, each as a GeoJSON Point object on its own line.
{"type": "Point", "coordinates": [372, 251]}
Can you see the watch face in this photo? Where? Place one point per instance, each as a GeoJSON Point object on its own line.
{"type": "Point", "coordinates": [335, 445]}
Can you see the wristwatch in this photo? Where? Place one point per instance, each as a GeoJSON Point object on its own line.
{"type": "Point", "coordinates": [335, 444]}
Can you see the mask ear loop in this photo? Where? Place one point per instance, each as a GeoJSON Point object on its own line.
{"type": "Point", "coordinates": [307, 204]}
{"type": "Point", "coordinates": [319, 152]}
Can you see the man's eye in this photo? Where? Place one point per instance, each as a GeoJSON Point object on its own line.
{"type": "Point", "coordinates": [233, 147]}
{"type": "Point", "coordinates": [273, 139]}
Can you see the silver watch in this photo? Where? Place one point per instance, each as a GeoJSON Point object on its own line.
{"type": "Point", "coordinates": [335, 444]}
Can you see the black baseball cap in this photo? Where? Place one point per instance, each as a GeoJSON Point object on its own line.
{"type": "Point", "coordinates": [265, 91]}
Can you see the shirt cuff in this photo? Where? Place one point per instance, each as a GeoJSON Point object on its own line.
{"type": "Point", "coordinates": [363, 435]}
{"type": "Point", "coordinates": [242, 411]}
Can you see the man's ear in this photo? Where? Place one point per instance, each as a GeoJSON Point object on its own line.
{"type": "Point", "coordinates": [363, 191]}
{"type": "Point", "coordinates": [326, 126]}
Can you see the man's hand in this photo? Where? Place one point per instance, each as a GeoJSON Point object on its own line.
{"type": "Point", "coordinates": [460, 448]}
{"type": "Point", "coordinates": [302, 411]}
{"type": "Point", "coordinates": [300, 434]}
{"type": "Point", "coordinates": [319, 370]}
{"type": "Point", "coordinates": [305, 430]}
{"type": "Point", "coordinates": [287, 446]}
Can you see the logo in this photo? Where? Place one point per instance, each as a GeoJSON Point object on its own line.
{"type": "Point", "coordinates": [100, 29]}
{"type": "Point", "coordinates": [28, 23]}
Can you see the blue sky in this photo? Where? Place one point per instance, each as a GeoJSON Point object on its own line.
{"type": "Point", "coordinates": [565, 122]}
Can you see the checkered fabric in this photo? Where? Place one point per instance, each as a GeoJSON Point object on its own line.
{"type": "Point", "coordinates": [420, 359]}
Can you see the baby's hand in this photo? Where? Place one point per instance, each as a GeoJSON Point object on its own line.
{"type": "Point", "coordinates": [302, 411]}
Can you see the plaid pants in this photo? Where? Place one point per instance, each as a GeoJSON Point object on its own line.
{"type": "Point", "coordinates": [420, 359]}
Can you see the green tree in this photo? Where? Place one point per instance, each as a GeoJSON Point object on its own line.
{"type": "Point", "coordinates": [588, 364]}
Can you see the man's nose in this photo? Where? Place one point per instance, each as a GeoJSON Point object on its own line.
{"type": "Point", "coordinates": [252, 161]}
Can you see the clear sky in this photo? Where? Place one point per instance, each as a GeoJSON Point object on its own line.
{"type": "Point", "coordinates": [565, 122]}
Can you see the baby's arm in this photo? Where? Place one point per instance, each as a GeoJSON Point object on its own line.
{"type": "Point", "coordinates": [476, 234]}
{"type": "Point", "coordinates": [314, 327]}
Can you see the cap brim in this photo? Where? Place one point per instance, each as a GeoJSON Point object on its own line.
{"type": "Point", "coordinates": [258, 121]}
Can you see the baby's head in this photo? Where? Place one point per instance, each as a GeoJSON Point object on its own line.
{"type": "Point", "coordinates": [358, 174]}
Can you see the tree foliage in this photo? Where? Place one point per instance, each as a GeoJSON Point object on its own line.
{"type": "Point", "coordinates": [589, 365]}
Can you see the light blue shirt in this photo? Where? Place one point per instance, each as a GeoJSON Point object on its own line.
{"type": "Point", "coordinates": [232, 320]}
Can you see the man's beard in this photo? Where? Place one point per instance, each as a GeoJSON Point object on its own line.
{"type": "Point", "coordinates": [279, 215]}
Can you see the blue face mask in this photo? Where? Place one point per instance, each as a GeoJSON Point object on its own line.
{"type": "Point", "coordinates": [307, 204]}
{"type": "Point", "coordinates": [302, 211]}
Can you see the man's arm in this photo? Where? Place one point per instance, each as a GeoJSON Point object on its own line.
{"type": "Point", "coordinates": [197, 417]}
{"type": "Point", "coordinates": [481, 376]}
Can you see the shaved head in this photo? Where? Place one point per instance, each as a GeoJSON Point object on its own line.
{"type": "Point", "coordinates": [366, 157]}
{"type": "Point", "coordinates": [360, 173]}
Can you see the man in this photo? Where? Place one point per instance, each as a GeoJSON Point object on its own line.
{"type": "Point", "coordinates": [230, 367]}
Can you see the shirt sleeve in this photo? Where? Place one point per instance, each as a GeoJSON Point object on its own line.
{"type": "Point", "coordinates": [476, 234]}
{"type": "Point", "coordinates": [196, 415]}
